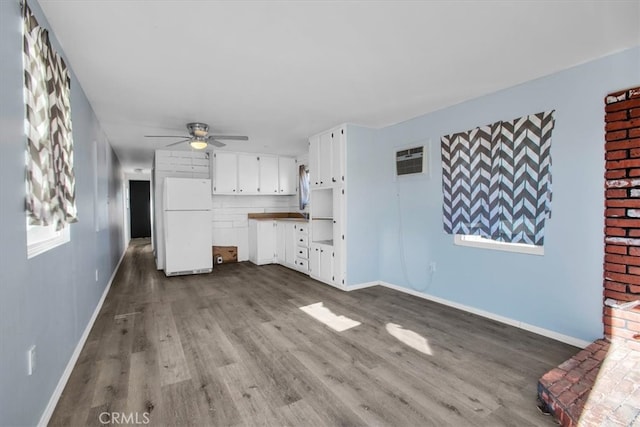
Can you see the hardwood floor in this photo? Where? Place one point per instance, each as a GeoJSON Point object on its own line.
{"type": "Point", "coordinates": [234, 348]}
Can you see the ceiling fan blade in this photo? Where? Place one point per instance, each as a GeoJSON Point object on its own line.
{"type": "Point", "coordinates": [216, 143]}
{"type": "Point", "coordinates": [230, 137]}
{"type": "Point", "coordinates": [176, 143]}
{"type": "Point", "coordinates": [166, 136]}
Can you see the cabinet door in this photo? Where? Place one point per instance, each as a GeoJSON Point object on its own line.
{"type": "Point", "coordinates": [314, 260]}
{"type": "Point", "coordinates": [266, 241]}
{"type": "Point", "coordinates": [324, 159]}
{"type": "Point", "coordinates": [225, 173]}
{"type": "Point", "coordinates": [268, 175]}
{"type": "Point", "coordinates": [326, 263]}
{"type": "Point", "coordinates": [253, 241]}
{"type": "Point", "coordinates": [314, 161]}
{"type": "Point", "coordinates": [281, 240]}
{"type": "Point", "coordinates": [338, 155]}
{"type": "Point", "coordinates": [288, 175]}
{"type": "Point", "coordinates": [338, 232]}
{"type": "Point", "coordinates": [248, 174]}
{"type": "Point", "coordinates": [289, 243]}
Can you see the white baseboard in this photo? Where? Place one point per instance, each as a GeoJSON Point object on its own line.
{"type": "Point", "coordinates": [53, 401]}
{"type": "Point", "coordinates": [502, 319]}
{"type": "Point", "coordinates": [360, 286]}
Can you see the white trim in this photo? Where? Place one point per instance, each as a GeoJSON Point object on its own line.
{"type": "Point", "coordinates": [481, 242]}
{"type": "Point", "coordinates": [360, 286]}
{"type": "Point", "coordinates": [506, 320]}
{"type": "Point", "coordinates": [53, 400]}
{"type": "Point", "coordinates": [45, 238]}
{"type": "Point", "coordinates": [329, 282]}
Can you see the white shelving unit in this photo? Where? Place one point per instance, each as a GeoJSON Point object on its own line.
{"type": "Point", "coordinates": [327, 219]}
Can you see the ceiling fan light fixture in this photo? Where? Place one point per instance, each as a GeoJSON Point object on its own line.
{"type": "Point", "coordinates": [198, 143]}
{"type": "Point", "coordinates": [199, 137]}
{"type": "Point", "coordinates": [198, 129]}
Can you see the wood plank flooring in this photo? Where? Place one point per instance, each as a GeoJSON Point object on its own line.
{"type": "Point", "coordinates": [233, 348]}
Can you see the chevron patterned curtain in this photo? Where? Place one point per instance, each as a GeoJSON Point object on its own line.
{"type": "Point", "coordinates": [496, 180]}
{"type": "Point", "coordinates": [50, 176]}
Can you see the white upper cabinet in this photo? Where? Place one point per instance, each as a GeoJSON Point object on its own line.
{"type": "Point", "coordinates": [288, 175]}
{"type": "Point", "coordinates": [314, 161]}
{"type": "Point", "coordinates": [337, 155]}
{"type": "Point", "coordinates": [225, 173]}
{"type": "Point", "coordinates": [268, 170]}
{"type": "Point", "coordinates": [248, 174]}
{"type": "Point", "coordinates": [253, 173]}
{"type": "Point", "coordinates": [325, 157]}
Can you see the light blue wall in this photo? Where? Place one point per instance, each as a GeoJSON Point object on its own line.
{"type": "Point", "coordinates": [362, 207]}
{"type": "Point", "coordinates": [560, 291]}
{"type": "Point", "coordinates": [48, 300]}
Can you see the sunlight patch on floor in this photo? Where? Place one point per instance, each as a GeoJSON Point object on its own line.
{"type": "Point", "coordinates": [336, 322]}
{"type": "Point", "coordinates": [410, 338]}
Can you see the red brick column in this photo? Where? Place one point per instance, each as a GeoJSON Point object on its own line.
{"type": "Point", "coordinates": [622, 216]}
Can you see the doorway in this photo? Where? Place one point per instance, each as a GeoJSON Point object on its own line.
{"type": "Point", "coordinates": [140, 209]}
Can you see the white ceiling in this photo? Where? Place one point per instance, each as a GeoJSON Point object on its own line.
{"type": "Point", "coordinates": [281, 71]}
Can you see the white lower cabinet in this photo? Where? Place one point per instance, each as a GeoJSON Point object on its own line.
{"type": "Point", "coordinates": [321, 262]}
{"type": "Point", "coordinates": [285, 239]}
{"type": "Point", "coordinates": [301, 247]}
{"type": "Point", "coordinates": [262, 241]}
{"type": "Point", "coordinates": [289, 244]}
{"type": "Point", "coordinates": [279, 241]}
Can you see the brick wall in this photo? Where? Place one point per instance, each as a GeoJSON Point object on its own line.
{"type": "Point", "coordinates": [622, 216]}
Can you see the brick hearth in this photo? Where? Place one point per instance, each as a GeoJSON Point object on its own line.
{"type": "Point", "coordinates": [598, 386]}
{"type": "Point", "coordinates": [601, 384]}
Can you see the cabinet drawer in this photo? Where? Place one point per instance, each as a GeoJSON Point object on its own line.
{"type": "Point", "coordinates": [302, 252]}
{"type": "Point", "coordinates": [302, 229]}
{"type": "Point", "coordinates": [302, 240]}
{"type": "Point", "coordinates": [302, 264]}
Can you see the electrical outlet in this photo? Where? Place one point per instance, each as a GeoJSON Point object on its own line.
{"type": "Point", "coordinates": [31, 360]}
{"type": "Point", "coordinates": [432, 267]}
{"type": "Point", "coordinates": [96, 274]}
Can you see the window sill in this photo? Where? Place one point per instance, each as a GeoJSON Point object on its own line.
{"type": "Point", "coordinates": [47, 240]}
{"type": "Point", "coordinates": [482, 243]}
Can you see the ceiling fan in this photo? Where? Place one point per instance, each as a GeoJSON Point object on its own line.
{"type": "Point", "coordinates": [199, 137]}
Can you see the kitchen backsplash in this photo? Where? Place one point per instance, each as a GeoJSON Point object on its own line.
{"type": "Point", "coordinates": [230, 223]}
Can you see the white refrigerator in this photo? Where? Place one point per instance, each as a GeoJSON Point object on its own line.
{"type": "Point", "coordinates": [187, 226]}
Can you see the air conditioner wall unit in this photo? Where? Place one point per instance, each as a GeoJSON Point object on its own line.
{"type": "Point", "coordinates": [411, 161]}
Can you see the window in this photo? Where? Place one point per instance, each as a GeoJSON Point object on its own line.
{"type": "Point", "coordinates": [496, 182]}
{"type": "Point", "coordinates": [42, 238]}
{"type": "Point", "coordinates": [483, 243]}
{"type": "Point", "coordinates": [50, 179]}
{"type": "Point", "coordinates": [303, 187]}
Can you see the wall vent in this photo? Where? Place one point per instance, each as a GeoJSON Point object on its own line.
{"type": "Point", "coordinates": [410, 161]}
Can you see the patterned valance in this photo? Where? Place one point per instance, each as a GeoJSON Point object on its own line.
{"type": "Point", "coordinates": [50, 176]}
{"type": "Point", "coordinates": [496, 180]}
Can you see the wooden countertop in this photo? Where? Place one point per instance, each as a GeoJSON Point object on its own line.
{"type": "Point", "coordinates": [287, 216]}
